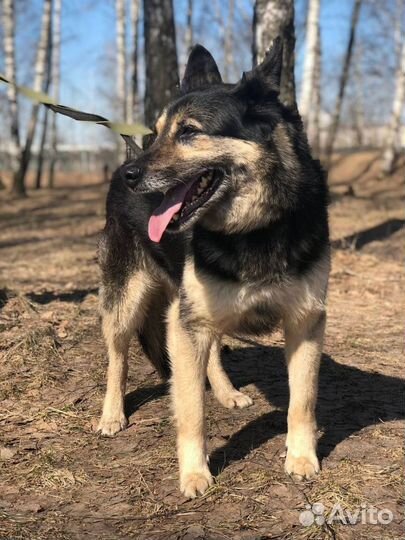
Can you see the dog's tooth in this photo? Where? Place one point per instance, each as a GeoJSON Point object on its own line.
{"type": "Point", "coordinates": [200, 190]}
{"type": "Point", "coordinates": [204, 182]}
{"type": "Point", "coordinates": [194, 198]}
{"type": "Point", "coordinates": [175, 217]}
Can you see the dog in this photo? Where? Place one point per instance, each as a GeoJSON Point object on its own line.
{"type": "Point", "coordinates": [219, 227]}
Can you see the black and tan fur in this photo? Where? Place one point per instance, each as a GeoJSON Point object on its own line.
{"type": "Point", "coordinates": [254, 255]}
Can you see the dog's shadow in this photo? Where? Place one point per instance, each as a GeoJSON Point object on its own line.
{"type": "Point", "coordinates": [349, 400]}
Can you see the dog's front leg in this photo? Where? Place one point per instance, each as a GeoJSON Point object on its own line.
{"type": "Point", "coordinates": [119, 321]}
{"type": "Point", "coordinates": [303, 343]}
{"type": "Point", "coordinates": [189, 349]}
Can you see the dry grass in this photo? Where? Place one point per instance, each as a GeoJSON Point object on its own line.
{"type": "Point", "coordinates": [60, 480]}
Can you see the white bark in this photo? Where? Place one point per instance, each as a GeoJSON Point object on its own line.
{"type": "Point", "coordinates": [55, 73]}
{"type": "Point", "coordinates": [188, 38]}
{"type": "Point", "coordinates": [273, 18]}
{"type": "Point", "coordinates": [121, 58]}
{"type": "Point", "coordinates": [10, 73]}
{"type": "Point", "coordinates": [39, 77]}
{"type": "Point", "coordinates": [132, 94]}
{"type": "Point", "coordinates": [397, 110]}
{"type": "Point", "coordinates": [311, 47]}
{"type": "Point", "coordinates": [314, 113]}
{"type": "Point", "coordinates": [228, 45]}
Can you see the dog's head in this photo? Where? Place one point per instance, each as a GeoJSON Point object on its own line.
{"type": "Point", "coordinates": [219, 149]}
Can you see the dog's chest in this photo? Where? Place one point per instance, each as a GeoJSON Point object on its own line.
{"type": "Point", "coordinates": [233, 307]}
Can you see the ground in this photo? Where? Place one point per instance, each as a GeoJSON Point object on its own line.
{"type": "Point", "coordinates": [61, 480]}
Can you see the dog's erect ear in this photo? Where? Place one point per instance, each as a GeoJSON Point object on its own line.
{"type": "Point", "coordinates": [201, 70]}
{"type": "Point", "coordinates": [264, 79]}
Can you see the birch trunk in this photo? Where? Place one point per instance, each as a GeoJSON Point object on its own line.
{"type": "Point", "coordinates": [228, 46]}
{"type": "Point", "coordinates": [274, 18]}
{"type": "Point", "coordinates": [189, 39]}
{"type": "Point", "coordinates": [359, 122]}
{"type": "Point", "coordinates": [307, 98]}
{"type": "Point", "coordinates": [342, 84]}
{"type": "Point", "coordinates": [390, 152]}
{"type": "Point", "coordinates": [314, 115]}
{"type": "Point", "coordinates": [160, 57]}
{"type": "Point", "coordinates": [132, 97]}
{"type": "Point", "coordinates": [40, 67]}
{"type": "Point", "coordinates": [56, 37]}
{"type": "Point", "coordinates": [121, 58]}
{"type": "Point", "coordinates": [10, 73]}
{"type": "Point", "coordinates": [44, 132]}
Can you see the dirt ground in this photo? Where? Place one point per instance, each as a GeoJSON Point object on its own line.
{"type": "Point", "coordinates": [61, 480]}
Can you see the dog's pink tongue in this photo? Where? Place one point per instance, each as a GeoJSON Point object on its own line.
{"type": "Point", "coordinates": [161, 217]}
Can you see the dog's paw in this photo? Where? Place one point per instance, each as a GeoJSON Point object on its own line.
{"type": "Point", "coordinates": [302, 467]}
{"type": "Point", "coordinates": [195, 483]}
{"type": "Point", "coordinates": [111, 425]}
{"type": "Point", "coordinates": [236, 400]}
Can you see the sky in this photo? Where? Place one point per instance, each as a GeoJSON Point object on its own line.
{"type": "Point", "coordinates": [88, 48]}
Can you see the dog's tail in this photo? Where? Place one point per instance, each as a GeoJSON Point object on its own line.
{"type": "Point", "coordinates": [152, 335]}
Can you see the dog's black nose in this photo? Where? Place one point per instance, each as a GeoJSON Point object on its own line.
{"type": "Point", "coordinates": [132, 174]}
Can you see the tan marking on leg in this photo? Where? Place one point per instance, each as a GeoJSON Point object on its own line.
{"type": "Point", "coordinates": [303, 351]}
{"type": "Point", "coordinates": [189, 356]}
{"type": "Point", "coordinates": [118, 327]}
{"type": "Point", "coordinates": [223, 389]}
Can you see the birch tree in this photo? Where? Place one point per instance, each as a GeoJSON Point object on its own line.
{"type": "Point", "coordinates": [18, 187]}
{"type": "Point", "coordinates": [274, 18]}
{"type": "Point", "coordinates": [228, 44]}
{"type": "Point", "coordinates": [56, 38]}
{"type": "Point", "coordinates": [132, 94]}
{"type": "Point", "coordinates": [121, 58]}
{"type": "Point", "coordinates": [160, 57]}
{"type": "Point", "coordinates": [310, 90]}
{"type": "Point", "coordinates": [189, 37]}
{"type": "Point", "coordinates": [44, 132]}
{"type": "Point", "coordinates": [342, 83]}
{"type": "Point", "coordinates": [10, 73]}
{"type": "Point", "coordinates": [391, 148]}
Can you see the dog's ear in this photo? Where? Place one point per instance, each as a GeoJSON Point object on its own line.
{"type": "Point", "coordinates": [201, 70]}
{"type": "Point", "coordinates": [264, 79]}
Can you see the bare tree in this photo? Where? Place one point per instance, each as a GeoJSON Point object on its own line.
{"type": "Point", "coordinates": [314, 118]}
{"type": "Point", "coordinates": [342, 83]}
{"type": "Point", "coordinates": [44, 132]}
{"type": "Point", "coordinates": [41, 151]}
{"type": "Point", "coordinates": [18, 187]}
{"type": "Point", "coordinates": [274, 18]}
{"type": "Point", "coordinates": [121, 57]}
{"type": "Point", "coordinates": [56, 37]}
{"type": "Point", "coordinates": [189, 35]}
{"type": "Point", "coordinates": [228, 44]}
{"type": "Point", "coordinates": [132, 95]}
{"type": "Point", "coordinates": [358, 105]}
{"type": "Point", "coordinates": [10, 72]}
{"type": "Point", "coordinates": [160, 57]}
{"type": "Point", "coordinates": [391, 148]}
{"type": "Point", "coordinates": [310, 90]}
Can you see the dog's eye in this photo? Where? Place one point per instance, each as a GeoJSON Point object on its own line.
{"type": "Point", "coordinates": [187, 132]}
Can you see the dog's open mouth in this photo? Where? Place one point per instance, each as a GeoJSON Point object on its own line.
{"type": "Point", "coordinates": [180, 203]}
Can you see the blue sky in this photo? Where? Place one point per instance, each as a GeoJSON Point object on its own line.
{"type": "Point", "coordinates": [88, 48]}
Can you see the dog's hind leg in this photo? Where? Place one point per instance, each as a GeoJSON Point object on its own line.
{"type": "Point", "coordinates": [223, 389]}
{"type": "Point", "coordinates": [152, 334]}
{"type": "Point", "coordinates": [120, 318]}
{"type": "Point", "coordinates": [303, 342]}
